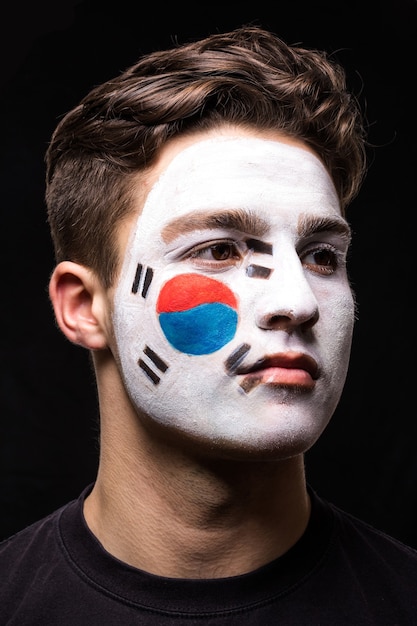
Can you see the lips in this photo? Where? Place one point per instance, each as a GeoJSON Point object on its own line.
{"type": "Point", "coordinates": [293, 369]}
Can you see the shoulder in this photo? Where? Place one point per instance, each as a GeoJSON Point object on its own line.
{"type": "Point", "coordinates": [40, 542]}
{"type": "Point", "coordinates": [366, 572]}
{"type": "Point", "coordinates": [34, 564]}
{"type": "Point", "coordinates": [369, 550]}
{"type": "Point", "coordinates": [355, 528]}
{"type": "Point", "coordinates": [26, 550]}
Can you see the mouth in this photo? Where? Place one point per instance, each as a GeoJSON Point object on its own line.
{"type": "Point", "coordinates": [289, 369]}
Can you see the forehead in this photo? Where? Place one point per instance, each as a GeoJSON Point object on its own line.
{"type": "Point", "coordinates": [279, 180]}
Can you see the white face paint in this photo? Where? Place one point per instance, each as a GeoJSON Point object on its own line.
{"type": "Point", "coordinates": [233, 314]}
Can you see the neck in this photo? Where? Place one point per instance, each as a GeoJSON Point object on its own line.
{"type": "Point", "coordinates": [174, 514]}
{"type": "Point", "coordinates": [205, 520]}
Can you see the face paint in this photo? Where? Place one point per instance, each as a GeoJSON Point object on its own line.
{"type": "Point", "coordinates": [197, 314]}
{"type": "Point", "coordinates": [233, 235]}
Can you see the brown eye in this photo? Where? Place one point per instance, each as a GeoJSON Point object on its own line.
{"type": "Point", "coordinates": [323, 260]}
{"type": "Point", "coordinates": [217, 255]}
{"type": "Point", "coordinates": [222, 251]}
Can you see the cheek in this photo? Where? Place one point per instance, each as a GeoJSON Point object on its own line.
{"type": "Point", "coordinates": [337, 328]}
{"type": "Point", "coordinates": [197, 314]}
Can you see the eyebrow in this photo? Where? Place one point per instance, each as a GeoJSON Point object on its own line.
{"type": "Point", "coordinates": [311, 224]}
{"type": "Point", "coordinates": [250, 223]}
{"type": "Point", "coordinates": [236, 219]}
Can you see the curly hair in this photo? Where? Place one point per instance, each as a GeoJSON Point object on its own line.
{"type": "Point", "coordinates": [248, 77]}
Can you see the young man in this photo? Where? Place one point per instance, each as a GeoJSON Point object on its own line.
{"type": "Point", "coordinates": [197, 207]}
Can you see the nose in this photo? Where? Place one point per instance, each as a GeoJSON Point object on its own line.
{"type": "Point", "coordinates": [287, 301]}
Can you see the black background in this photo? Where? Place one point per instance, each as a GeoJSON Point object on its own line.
{"type": "Point", "coordinates": [51, 55]}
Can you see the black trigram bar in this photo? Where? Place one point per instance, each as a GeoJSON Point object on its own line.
{"type": "Point", "coordinates": [156, 360]}
{"type": "Point", "coordinates": [146, 282]}
{"type": "Point", "coordinates": [259, 246]}
{"type": "Point", "coordinates": [258, 271]}
{"type": "Point", "coordinates": [236, 357]}
{"type": "Point", "coordinates": [138, 274]}
{"type": "Point", "coordinates": [248, 384]}
{"type": "Point", "coordinates": [160, 364]}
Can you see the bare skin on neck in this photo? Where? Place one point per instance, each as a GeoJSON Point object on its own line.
{"type": "Point", "coordinates": [176, 515]}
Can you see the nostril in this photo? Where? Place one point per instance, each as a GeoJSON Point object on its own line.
{"type": "Point", "coordinates": [275, 319]}
{"type": "Point", "coordinates": [289, 319]}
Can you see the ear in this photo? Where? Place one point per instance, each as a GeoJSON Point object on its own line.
{"type": "Point", "coordinates": [80, 305]}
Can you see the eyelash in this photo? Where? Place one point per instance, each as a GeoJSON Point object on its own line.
{"type": "Point", "coordinates": [334, 259]}
{"type": "Point", "coordinates": [237, 256]}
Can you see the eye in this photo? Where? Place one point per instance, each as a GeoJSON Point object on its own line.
{"type": "Point", "coordinates": [324, 259]}
{"type": "Point", "coordinates": [216, 254]}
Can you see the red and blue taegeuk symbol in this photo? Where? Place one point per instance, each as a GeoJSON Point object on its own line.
{"type": "Point", "coordinates": [197, 314]}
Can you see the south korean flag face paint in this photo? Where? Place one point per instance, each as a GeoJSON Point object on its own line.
{"type": "Point", "coordinates": [238, 231]}
{"type": "Point", "coordinates": [197, 314]}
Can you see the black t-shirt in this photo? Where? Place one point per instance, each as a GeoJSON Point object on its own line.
{"type": "Point", "coordinates": [341, 572]}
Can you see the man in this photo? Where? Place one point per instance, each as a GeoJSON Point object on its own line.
{"type": "Point", "coordinates": [197, 207]}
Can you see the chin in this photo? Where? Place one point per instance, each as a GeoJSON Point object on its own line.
{"type": "Point", "coordinates": [255, 446]}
